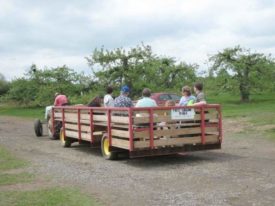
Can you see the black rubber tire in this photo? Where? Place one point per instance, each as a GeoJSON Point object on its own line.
{"type": "Point", "coordinates": [38, 128]}
{"type": "Point", "coordinates": [111, 155]}
{"type": "Point", "coordinates": [57, 127]}
{"type": "Point", "coordinates": [65, 141]}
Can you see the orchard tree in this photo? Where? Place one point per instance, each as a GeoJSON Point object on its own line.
{"type": "Point", "coordinates": [116, 66]}
{"type": "Point", "coordinates": [138, 67]}
{"type": "Point", "coordinates": [38, 86]}
{"type": "Point", "coordinates": [249, 71]}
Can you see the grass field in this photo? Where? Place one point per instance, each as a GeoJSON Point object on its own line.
{"type": "Point", "coordinates": [22, 112]}
{"type": "Point", "coordinates": [52, 196]}
{"type": "Point", "coordinates": [260, 112]}
{"type": "Point", "coordinates": [232, 107]}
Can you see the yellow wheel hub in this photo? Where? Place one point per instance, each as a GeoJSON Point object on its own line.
{"type": "Point", "coordinates": [62, 138]}
{"type": "Point", "coordinates": [106, 146]}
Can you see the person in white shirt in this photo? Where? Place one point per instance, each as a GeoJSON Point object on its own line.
{"type": "Point", "coordinates": [108, 99]}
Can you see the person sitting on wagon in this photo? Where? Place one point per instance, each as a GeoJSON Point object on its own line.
{"type": "Point", "coordinates": [123, 100]}
{"type": "Point", "coordinates": [200, 97]}
{"type": "Point", "coordinates": [61, 100]}
{"type": "Point", "coordinates": [96, 102]}
{"type": "Point", "coordinates": [187, 97]}
{"type": "Point", "coordinates": [108, 99]}
{"type": "Point", "coordinates": [146, 101]}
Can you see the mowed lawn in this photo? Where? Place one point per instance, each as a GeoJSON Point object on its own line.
{"type": "Point", "coordinates": [259, 112]}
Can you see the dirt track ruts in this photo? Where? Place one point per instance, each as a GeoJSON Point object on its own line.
{"type": "Point", "coordinates": [242, 173]}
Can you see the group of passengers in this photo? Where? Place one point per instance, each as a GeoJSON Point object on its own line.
{"type": "Point", "coordinates": [123, 99]}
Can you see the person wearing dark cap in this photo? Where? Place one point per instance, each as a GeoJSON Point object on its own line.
{"type": "Point", "coordinates": [146, 101]}
{"type": "Point", "coordinates": [123, 100]}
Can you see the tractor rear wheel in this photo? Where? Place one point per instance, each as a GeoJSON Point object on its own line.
{"type": "Point", "coordinates": [57, 126]}
{"type": "Point", "coordinates": [38, 128]}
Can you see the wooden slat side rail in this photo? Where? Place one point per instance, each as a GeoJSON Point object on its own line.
{"type": "Point", "coordinates": [85, 136]}
{"type": "Point", "coordinates": [174, 132]}
{"type": "Point", "coordinates": [84, 128]}
{"type": "Point", "coordinates": [177, 141]}
{"type": "Point", "coordinates": [120, 133]}
{"type": "Point", "coordinates": [140, 120]}
{"type": "Point", "coordinates": [164, 132]}
{"type": "Point", "coordinates": [120, 143]}
{"type": "Point", "coordinates": [169, 133]}
{"type": "Point", "coordinates": [103, 118]}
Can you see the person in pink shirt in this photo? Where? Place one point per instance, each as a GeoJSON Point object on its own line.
{"type": "Point", "coordinates": [61, 100]}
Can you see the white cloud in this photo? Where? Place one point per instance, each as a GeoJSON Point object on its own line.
{"type": "Point", "coordinates": [52, 33]}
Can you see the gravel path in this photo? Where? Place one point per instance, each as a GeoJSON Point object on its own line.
{"type": "Point", "coordinates": [242, 173]}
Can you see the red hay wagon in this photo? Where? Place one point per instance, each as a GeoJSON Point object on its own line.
{"type": "Point", "coordinates": [141, 131]}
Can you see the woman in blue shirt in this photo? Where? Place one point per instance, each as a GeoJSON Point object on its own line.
{"type": "Point", "coordinates": [187, 97]}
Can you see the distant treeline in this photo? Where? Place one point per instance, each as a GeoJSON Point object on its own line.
{"type": "Point", "coordinates": [235, 70]}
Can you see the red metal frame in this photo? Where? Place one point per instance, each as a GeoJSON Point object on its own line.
{"type": "Point", "coordinates": [63, 123]}
{"type": "Point", "coordinates": [53, 124]}
{"type": "Point", "coordinates": [202, 125]}
{"type": "Point", "coordinates": [151, 128]}
{"type": "Point", "coordinates": [220, 124]}
{"type": "Point", "coordinates": [130, 111]}
{"type": "Point", "coordinates": [79, 124]}
{"type": "Point", "coordinates": [92, 126]}
{"type": "Point", "coordinates": [131, 133]}
{"type": "Point", "coordinates": [109, 127]}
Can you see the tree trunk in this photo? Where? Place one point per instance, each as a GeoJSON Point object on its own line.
{"type": "Point", "coordinates": [245, 85]}
{"type": "Point", "coordinates": [245, 91]}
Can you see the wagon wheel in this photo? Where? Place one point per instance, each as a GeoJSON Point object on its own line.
{"type": "Point", "coordinates": [57, 126]}
{"type": "Point", "coordinates": [65, 141]}
{"type": "Point", "coordinates": [106, 153]}
{"type": "Point", "coordinates": [38, 128]}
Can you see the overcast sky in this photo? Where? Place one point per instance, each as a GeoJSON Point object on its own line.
{"type": "Point", "coordinates": [54, 33]}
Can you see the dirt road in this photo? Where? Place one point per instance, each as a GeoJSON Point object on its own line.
{"type": "Point", "coordinates": [242, 173]}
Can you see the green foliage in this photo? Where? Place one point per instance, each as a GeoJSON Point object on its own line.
{"type": "Point", "coordinates": [240, 68]}
{"type": "Point", "coordinates": [37, 87]}
{"type": "Point", "coordinates": [139, 68]}
{"type": "Point", "coordinates": [234, 70]}
{"type": "Point", "coordinates": [23, 91]}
